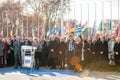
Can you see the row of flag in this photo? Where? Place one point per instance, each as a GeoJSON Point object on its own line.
{"type": "Point", "coordinates": [77, 30]}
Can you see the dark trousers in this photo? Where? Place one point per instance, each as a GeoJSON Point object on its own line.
{"type": "Point", "coordinates": [117, 59]}
{"type": "Point", "coordinates": [1, 61]}
{"type": "Point", "coordinates": [70, 55]}
{"type": "Point", "coordinates": [52, 63]}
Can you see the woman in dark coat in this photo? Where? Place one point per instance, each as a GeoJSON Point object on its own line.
{"type": "Point", "coordinates": [52, 57]}
{"type": "Point", "coordinates": [9, 51]}
{"type": "Point", "coordinates": [78, 47]}
{"type": "Point", "coordinates": [62, 49]}
{"type": "Point", "coordinates": [94, 49]}
{"type": "Point", "coordinates": [103, 49]}
{"type": "Point", "coordinates": [117, 52]}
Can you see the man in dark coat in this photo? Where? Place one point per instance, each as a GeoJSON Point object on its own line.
{"type": "Point", "coordinates": [103, 54]}
{"type": "Point", "coordinates": [52, 52]}
{"type": "Point", "coordinates": [117, 52]}
{"type": "Point", "coordinates": [17, 50]}
{"type": "Point", "coordinates": [1, 51]}
{"type": "Point", "coordinates": [61, 53]}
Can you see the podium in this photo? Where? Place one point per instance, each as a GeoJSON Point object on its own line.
{"type": "Point", "coordinates": [27, 55]}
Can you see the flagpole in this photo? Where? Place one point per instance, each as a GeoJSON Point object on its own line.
{"type": "Point", "coordinates": [33, 26]}
{"type": "Point", "coordinates": [17, 26]}
{"type": "Point", "coordinates": [22, 26]}
{"type": "Point", "coordinates": [38, 27]}
{"type": "Point", "coordinates": [7, 27]}
{"type": "Point", "coordinates": [118, 10]}
{"type": "Point", "coordinates": [27, 26]}
{"type": "Point", "coordinates": [62, 18]}
{"type": "Point", "coordinates": [111, 9]}
{"type": "Point", "coordinates": [2, 24]}
{"type": "Point", "coordinates": [74, 10]}
{"type": "Point", "coordinates": [103, 15]}
{"type": "Point", "coordinates": [88, 14]}
{"type": "Point", "coordinates": [81, 12]}
{"type": "Point", "coordinates": [111, 16]}
{"type": "Point", "coordinates": [103, 10]}
{"type": "Point", "coordinates": [95, 12]}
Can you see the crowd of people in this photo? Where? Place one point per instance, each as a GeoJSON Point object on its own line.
{"type": "Point", "coordinates": [56, 52]}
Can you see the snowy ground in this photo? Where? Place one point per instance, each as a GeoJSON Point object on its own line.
{"type": "Point", "coordinates": [92, 76]}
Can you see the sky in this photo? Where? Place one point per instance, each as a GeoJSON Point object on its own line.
{"type": "Point", "coordinates": [76, 10]}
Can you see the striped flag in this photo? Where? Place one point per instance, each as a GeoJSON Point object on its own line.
{"type": "Point", "coordinates": [93, 29]}
{"type": "Point", "coordinates": [84, 28]}
{"type": "Point", "coordinates": [66, 29]}
{"type": "Point", "coordinates": [1, 33]}
{"type": "Point", "coordinates": [78, 30]}
{"type": "Point", "coordinates": [84, 24]}
{"type": "Point", "coordinates": [54, 29]}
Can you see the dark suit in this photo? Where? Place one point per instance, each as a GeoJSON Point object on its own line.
{"type": "Point", "coordinates": [52, 54]}
{"type": "Point", "coordinates": [103, 48]}
{"type": "Point", "coordinates": [1, 52]}
{"type": "Point", "coordinates": [117, 56]}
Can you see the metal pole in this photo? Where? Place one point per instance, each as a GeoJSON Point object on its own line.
{"type": "Point", "coordinates": [81, 12]}
{"type": "Point", "coordinates": [111, 9]}
{"type": "Point", "coordinates": [103, 10]}
{"type": "Point", "coordinates": [38, 27]}
{"type": "Point", "coordinates": [27, 26]}
{"type": "Point", "coordinates": [33, 25]}
{"type": "Point", "coordinates": [74, 10]}
{"type": "Point", "coordinates": [118, 10]}
{"type": "Point", "coordinates": [62, 33]}
{"type": "Point", "coordinates": [22, 27]}
{"type": "Point", "coordinates": [88, 14]}
{"type": "Point", "coordinates": [95, 12]}
{"type": "Point", "coordinates": [2, 24]}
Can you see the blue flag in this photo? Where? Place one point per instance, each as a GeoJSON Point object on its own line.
{"type": "Point", "coordinates": [93, 30]}
{"type": "Point", "coordinates": [78, 30]}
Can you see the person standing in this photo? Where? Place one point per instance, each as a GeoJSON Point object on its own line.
{"type": "Point", "coordinates": [117, 52]}
{"type": "Point", "coordinates": [52, 57]}
{"type": "Point", "coordinates": [9, 52]}
{"type": "Point", "coordinates": [1, 52]}
{"type": "Point", "coordinates": [111, 54]}
{"type": "Point", "coordinates": [17, 49]}
{"type": "Point", "coordinates": [62, 47]}
{"type": "Point", "coordinates": [103, 49]}
{"type": "Point", "coordinates": [70, 54]}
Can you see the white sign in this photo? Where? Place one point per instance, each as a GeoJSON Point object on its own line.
{"type": "Point", "coordinates": [27, 61]}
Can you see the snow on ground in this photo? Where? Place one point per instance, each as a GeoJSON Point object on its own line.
{"type": "Point", "coordinates": [59, 76]}
{"type": "Point", "coordinates": [21, 76]}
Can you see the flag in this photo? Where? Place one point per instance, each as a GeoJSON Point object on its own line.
{"type": "Point", "coordinates": [11, 35]}
{"type": "Point", "coordinates": [72, 29]}
{"type": "Point", "coordinates": [78, 30]}
{"type": "Point", "coordinates": [42, 32]}
{"type": "Point", "coordinates": [117, 31]}
{"type": "Point", "coordinates": [110, 27]}
{"type": "Point", "coordinates": [47, 30]}
{"type": "Point", "coordinates": [66, 30]}
{"type": "Point", "coordinates": [53, 31]}
{"type": "Point", "coordinates": [84, 25]}
{"type": "Point", "coordinates": [59, 31]}
{"type": "Point", "coordinates": [93, 29]}
{"type": "Point", "coordinates": [84, 30]}
{"type": "Point", "coordinates": [1, 33]}
{"type": "Point", "coordinates": [100, 27]}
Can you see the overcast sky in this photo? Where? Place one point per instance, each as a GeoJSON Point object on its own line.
{"type": "Point", "coordinates": [76, 9]}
